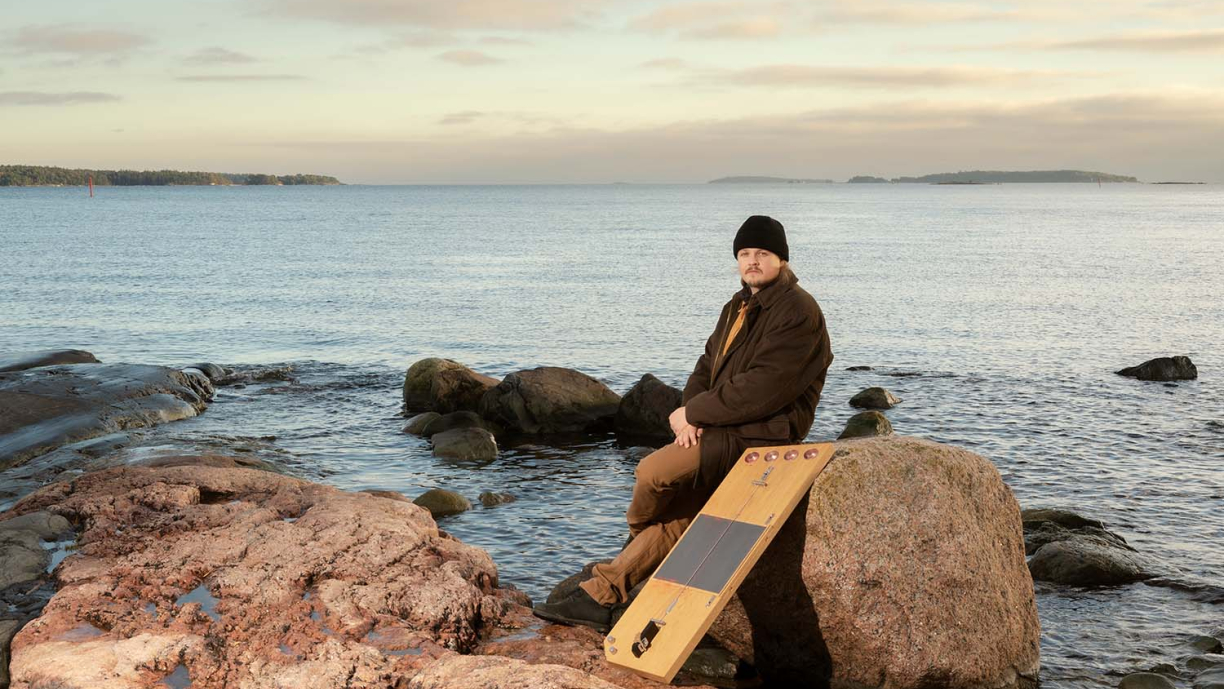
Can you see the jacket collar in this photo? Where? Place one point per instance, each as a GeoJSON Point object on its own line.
{"type": "Point", "coordinates": [771, 293]}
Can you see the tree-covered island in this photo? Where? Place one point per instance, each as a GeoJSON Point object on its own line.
{"type": "Point", "coordinates": [43, 176]}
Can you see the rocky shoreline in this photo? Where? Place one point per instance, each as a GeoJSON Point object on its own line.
{"type": "Point", "coordinates": [209, 570]}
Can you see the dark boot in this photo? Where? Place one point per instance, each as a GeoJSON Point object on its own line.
{"type": "Point", "coordinates": [577, 608]}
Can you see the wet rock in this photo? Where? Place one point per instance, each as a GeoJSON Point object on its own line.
{"type": "Point", "coordinates": [240, 377]}
{"type": "Point", "coordinates": [836, 596]}
{"type": "Point", "coordinates": [44, 408]}
{"type": "Point", "coordinates": [213, 371]}
{"type": "Point", "coordinates": [1163, 368]}
{"type": "Point", "coordinates": [644, 410]}
{"type": "Point", "coordinates": [50, 357]}
{"type": "Point", "coordinates": [45, 525]}
{"type": "Point", "coordinates": [453, 420]}
{"type": "Point", "coordinates": [1146, 680]}
{"type": "Point", "coordinates": [866, 424]}
{"type": "Point", "coordinates": [8, 629]}
{"type": "Point", "coordinates": [417, 424]}
{"type": "Point", "coordinates": [490, 672]}
{"type": "Point", "coordinates": [1042, 526]}
{"type": "Point", "coordinates": [874, 398]}
{"type": "Point", "coordinates": [1210, 679]}
{"type": "Point", "coordinates": [22, 557]}
{"type": "Point", "coordinates": [473, 444]}
{"type": "Point", "coordinates": [444, 386]}
{"type": "Point", "coordinates": [491, 499]}
{"type": "Point", "coordinates": [1208, 661]}
{"type": "Point", "coordinates": [441, 502]}
{"type": "Point", "coordinates": [858, 368]}
{"type": "Point", "coordinates": [1206, 644]}
{"type": "Point", "coordinates": [1081, 560]}
{"type": "Point", "coordinates": [299, 584]}
{"type": "Point", "coordinates": [550, 400]}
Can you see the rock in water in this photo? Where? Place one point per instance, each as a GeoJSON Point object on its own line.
{"type": "Point", "coordinates": [550, 400]}
{"type": "Point", "coordinates": [50, 406]}
{"type": "Point", "coordinates": [441, 502]}
{"type": "Point", "coordinates": [644, 410]}
{"type": "Point", "coordinates": [492, 499]}
{"type": "Point", "coordinates": [453, 420]}
{"type": "Point", "coordinates": [874, 398]}
{"type": "Point", "coordinates": [1146, 680]}
{"type": "Point", "coordinates": [906, 570]}
{"type": "Point", "coordinates": [1163, 368]}
{"type": "Point", "coordinates": [51, 357]}
{"type": "Point", "coordinates": [465, 443]}
{"type": "Point", "coordinates": [1087, 561]}
{"type": "Point", "coordinates": [866, 424]}
{"type": "Point", "coordinates": [444, 386]}
{"type": "Point", "coordinates": [417, 424]}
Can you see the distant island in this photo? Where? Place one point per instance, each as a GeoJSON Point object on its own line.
{"type": "Point", "coordinates": [768, 180]}
{"type": "Point", "coordinates": [41, 176]}
{"type": "Point", "coordinates": [1001, 177]}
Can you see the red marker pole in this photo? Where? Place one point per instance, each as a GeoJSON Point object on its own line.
{"type": "Point", "coordinates": [91, 186]}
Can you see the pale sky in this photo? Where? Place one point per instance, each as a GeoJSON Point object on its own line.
{"type": "Point", "coordinates": [591, 91]}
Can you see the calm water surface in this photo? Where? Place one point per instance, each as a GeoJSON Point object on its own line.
{"type": "Point", "coordinates": [1006, 307]}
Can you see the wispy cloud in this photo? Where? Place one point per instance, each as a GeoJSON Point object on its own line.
{"type": "Point", "coordinates": [532, 15]}
{"type": "Point", "coordinates": [1206, 41]}
{"type": "Point", "coordinates": [502, 40]}
{"type": "Point", "coordinates": [809, 76]}
{"type": "Point", "coordinates": [219, 56]}
{"type": "Point", "coordinates": [464, 117]}
{"type": "Point", "coordinates": [240, 77]}
{"type": "Point", "coordinates": [1153, 135]}
{"type": "Point", "coordinates": [664, 63]}
{"type": "Point", "coordinates": [35, 98]}
{"type": "Point", "coordinates": [755, 27]}
{"type": "Point", "coordinates": [469, 58]}
{"type": "Point", "coordinates": [75, 41]}
{"type": "Point", "coordinates": [913, 14]}
{"type": "Point", "coordinates": [717, 19]}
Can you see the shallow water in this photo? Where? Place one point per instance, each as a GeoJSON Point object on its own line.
{"type": "Point", "coordinates": [1009, 305]}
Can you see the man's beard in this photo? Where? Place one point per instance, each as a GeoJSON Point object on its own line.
{"type": "Point", "coordinates": [757, 280]}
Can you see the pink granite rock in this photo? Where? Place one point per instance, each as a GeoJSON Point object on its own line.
{"type": "Point", "coordinates": [912, 575]}
{"type": "Point", "coordinates": [237, 577]}
{"type": "Point", "coordinates": [490, 672]}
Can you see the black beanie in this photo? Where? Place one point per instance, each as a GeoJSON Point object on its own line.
{"type": "Point", "coordinates": [762, 232]}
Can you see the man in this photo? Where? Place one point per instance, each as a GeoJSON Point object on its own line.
{"type": "Point", "coordinates": [757, 383]}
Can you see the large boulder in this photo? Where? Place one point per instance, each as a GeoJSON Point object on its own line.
{"type": "Point", "coordinates": [903, 567]}
{"type": "Point", "coordinates": [49, 357]}
{"type": "Point", "coordinates": [237, 577]}
{"type": "Point", "coordinates": [50, 406]}
{"type": "Point", "coordinates": [444, 386]}
{"type": "Point", "coordinates": [644, 410]}
{"type": "Point", "coordinates": [1163, 368]}
{"type": "Point", "coordinates": [550, 400]}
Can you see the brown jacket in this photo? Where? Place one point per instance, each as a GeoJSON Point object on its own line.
{"type": "Point", "coordinates": [765, 389]}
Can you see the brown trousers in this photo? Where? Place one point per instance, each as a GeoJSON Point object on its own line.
{"type": "Point", "coordinates": [664, 502]}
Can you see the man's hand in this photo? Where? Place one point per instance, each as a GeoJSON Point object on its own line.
{"type": "Point", "coordinates": [687, 437]}
{"type": "Point", "coordinates": [678, 421]}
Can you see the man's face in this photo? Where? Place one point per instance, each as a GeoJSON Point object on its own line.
{"type": "Point", "coordinates": [758, 267]}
